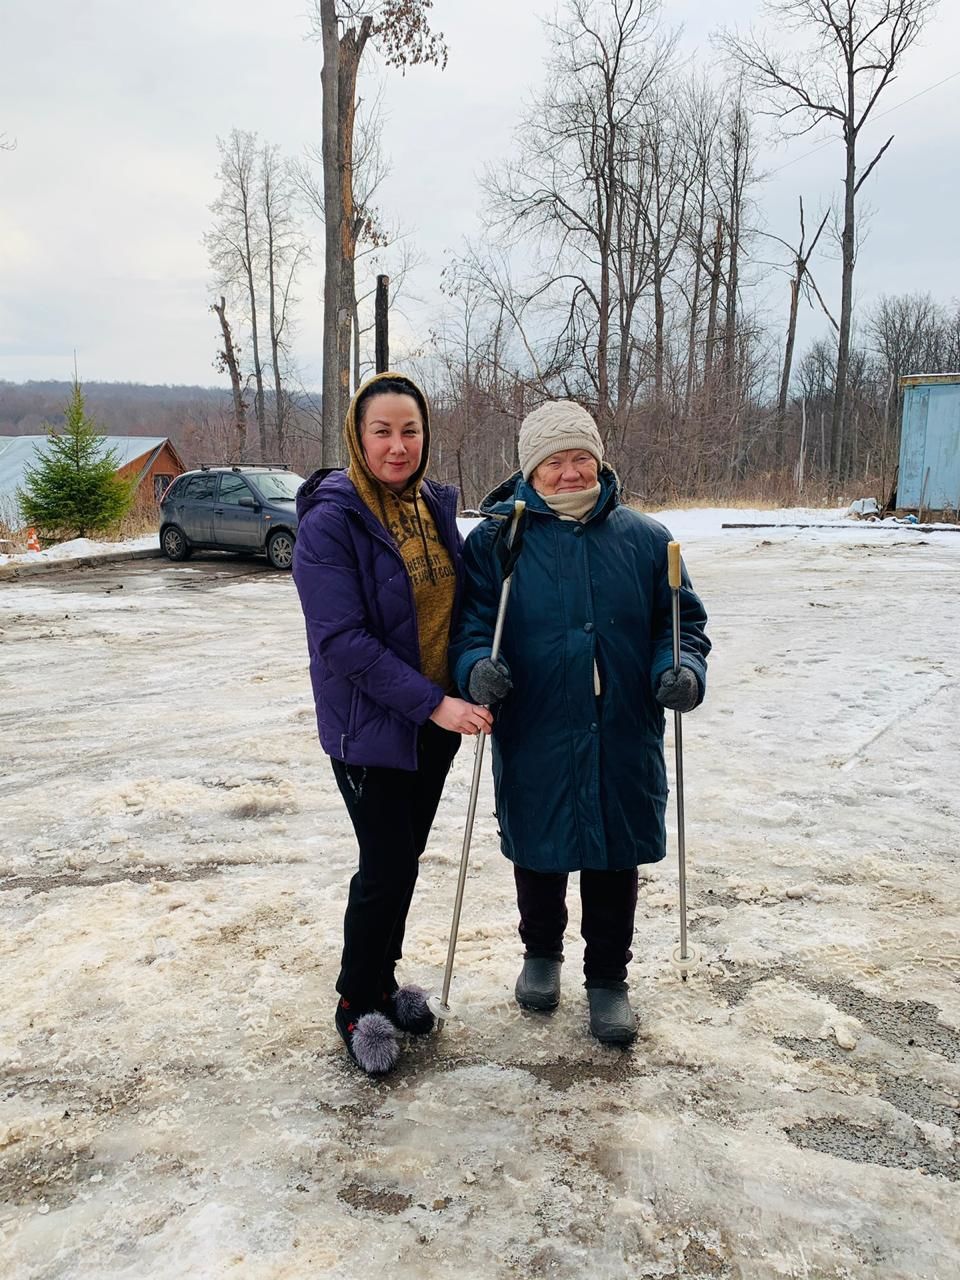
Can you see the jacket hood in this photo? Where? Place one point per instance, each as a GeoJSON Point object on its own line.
{"type": "Point", "coordinates": [351, 433]}
{"type": "Point", "coordinates": [334, 481]}
{"type": "Point", "coordinates": [333, 485]}
{"type": "Point", "coordinates": [499, 501]}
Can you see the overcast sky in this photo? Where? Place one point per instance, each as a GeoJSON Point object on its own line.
{"type": "Point", "coordinates": [116, 107]}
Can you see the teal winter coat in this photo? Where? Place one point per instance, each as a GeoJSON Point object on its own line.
{"type": "Point", "coordinates": [580, 779]}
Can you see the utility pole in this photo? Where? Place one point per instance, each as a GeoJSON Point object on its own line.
{"type": "Point", "coordinates": [382, 352]}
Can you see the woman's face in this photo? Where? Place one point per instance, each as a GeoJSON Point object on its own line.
{"type": "Point", "coordinates": [570, 471]}
{"type": "Point", "coordinates": [391, 436]}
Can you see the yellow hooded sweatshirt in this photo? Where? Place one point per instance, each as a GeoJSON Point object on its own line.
{"type": "Point", "coordinates": [408, 521]}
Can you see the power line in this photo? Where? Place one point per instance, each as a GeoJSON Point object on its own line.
{"type": "Point", "coordinates": [896, 107]}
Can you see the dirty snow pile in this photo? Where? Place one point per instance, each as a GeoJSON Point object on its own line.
{"type": "Point", "coordinates": [77, 547]}
{"type": "Point", "coordinates": [174, 858]}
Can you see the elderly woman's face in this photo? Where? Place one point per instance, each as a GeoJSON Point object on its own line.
{"type": "Point", "coordinates": [571, 471]}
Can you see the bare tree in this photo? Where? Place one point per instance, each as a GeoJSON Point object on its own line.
{"type": "Point", "coordinates": [700, 108]}
{"type": "Point", "coordinates": [802, 284]}
{"type": "Point", "coordinates": [235, 244]}
{"type": "Point", "coordinates": [579, 189]}
{"type": "Point", "coordinates": [909, 334]}
{"type": "Point", "coordinates": [284, 251]}
{"type": "Point", "coordinates": [736, 159]}
{"type": "Point", "coordinates": [255, 248]}
{"type": "Point", "coordinates": [229, 359]}
{"type": "Point", "coordinates": [400, 30]}
{"type": "Point", "coordinates": [377, 245]}
{"type": "Point", "coordinates": [477, 400]}
{"type": "Point", "coordinates": [669, 178]}
{"type": "Point", "coordinates": [723, 149]}
{"type": "Point", "coordinates": [855, 49]}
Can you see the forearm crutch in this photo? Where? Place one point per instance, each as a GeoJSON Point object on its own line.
{"type": "Point", "coordinates": [684, 958]}
{"type": "Point", "coordinates": [439, 1006]}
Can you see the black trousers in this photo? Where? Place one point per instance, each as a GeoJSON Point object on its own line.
{"type": "Point", "coordinates": [608, 902]}
{"type": "Point", "coordinates": [392, 811]}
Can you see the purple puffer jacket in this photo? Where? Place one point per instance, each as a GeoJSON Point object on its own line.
{"type": "Point", "coordinates": [361, 621]}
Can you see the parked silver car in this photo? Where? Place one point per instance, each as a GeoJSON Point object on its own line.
{"type": "Point", "coordinates": [231, 509]}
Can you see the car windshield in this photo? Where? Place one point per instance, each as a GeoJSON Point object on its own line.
{"type": "Point", "coordinates": [277, 484]}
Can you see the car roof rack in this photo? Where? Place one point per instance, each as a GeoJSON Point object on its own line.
{"type": "Point", "coordinates": [244, 466]}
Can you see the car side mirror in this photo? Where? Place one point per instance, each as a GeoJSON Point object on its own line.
{"type": "Point", "coordinates": [249, 502]}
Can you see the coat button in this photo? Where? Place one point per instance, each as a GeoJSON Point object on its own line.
{"type": "Point", "coordinates": [578, 531]}
{"type": "Point", "coordinates": [588, 627]}
{"type": "Point", "coordinates": [594, 728]}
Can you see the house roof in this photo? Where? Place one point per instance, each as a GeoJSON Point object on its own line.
{"type": "Point", "coordinates": [18, 453]}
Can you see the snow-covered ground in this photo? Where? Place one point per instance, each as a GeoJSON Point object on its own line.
{"type": "Point", "coordinates": [75, 548]}
{"type": "Point", "coordinates": [174, 858]}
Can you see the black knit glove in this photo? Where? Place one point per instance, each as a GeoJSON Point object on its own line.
{"type": "Point", "coordinates": [677, 690]}
{"type": "Point", "coordinates": [489, 681]}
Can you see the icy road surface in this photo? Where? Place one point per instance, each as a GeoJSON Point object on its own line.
{"type": "Point", "coordinates": [174, 858]}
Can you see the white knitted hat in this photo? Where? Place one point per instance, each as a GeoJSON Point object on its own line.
{"type": "Point", "coordinates": [555, 426]}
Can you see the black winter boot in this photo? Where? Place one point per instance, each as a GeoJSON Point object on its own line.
{"type": "Point", "coordinates": [370, 1038]}
{"type": "Point", "coordinates": [538, 986]}
{"type": "Point", "coordinates": [612, 1020]}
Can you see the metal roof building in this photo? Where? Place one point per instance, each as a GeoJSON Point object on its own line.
{"type": "Point", "coordinates": [139, 456]}
{"type": "Point", "coordinates": [929, 477]}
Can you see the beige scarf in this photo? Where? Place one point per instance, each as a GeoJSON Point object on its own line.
{"type": "Point", "coordinates": [573, 506]}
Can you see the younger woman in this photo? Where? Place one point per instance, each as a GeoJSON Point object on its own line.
{"type": "Point", "coordinates": [377, 564]}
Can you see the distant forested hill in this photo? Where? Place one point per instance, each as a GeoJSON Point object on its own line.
{"type": "Point", "coordinates": [197, 419]}
{"type": "Point", "coordinates": [121, 408]}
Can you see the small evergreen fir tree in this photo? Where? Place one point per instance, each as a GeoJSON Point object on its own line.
{"type": "Point", "coordinates": [74, 489]}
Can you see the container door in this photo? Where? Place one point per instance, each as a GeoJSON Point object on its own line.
{"type": "Point", "coordinates": [942, 452]}
{"type": "Point", "coordinates": [912, 437]}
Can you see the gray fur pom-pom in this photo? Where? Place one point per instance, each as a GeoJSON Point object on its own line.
{"type": "Point", "coordinates": [374, 1044]}
{"type": "Point", "coordinates": [411, 1010]}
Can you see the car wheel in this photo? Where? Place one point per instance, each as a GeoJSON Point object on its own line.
{"type": "Point", "coordinates": [174, 544]}
{"type": "Point", "coordinates": [280, 549]}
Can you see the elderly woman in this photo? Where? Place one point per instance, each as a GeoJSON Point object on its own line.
{"type": "Point", "coordinates": [585, 671]}
{"type": "Point", "coordinates": [378, 568]}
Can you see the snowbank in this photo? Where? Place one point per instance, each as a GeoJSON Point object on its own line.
{"type": "Point", "coordinates": [79, 547]}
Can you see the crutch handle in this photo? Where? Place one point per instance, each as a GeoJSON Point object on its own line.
{"type": "Point", "coordinates": [673, 565]}
{"type": "Point", "coordinates": [518, 509]}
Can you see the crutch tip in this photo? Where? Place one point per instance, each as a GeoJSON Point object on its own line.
{"type": "Point", "coordinates": [685, 964]}
{"type": "Point", "coordinates": [440, 1011]}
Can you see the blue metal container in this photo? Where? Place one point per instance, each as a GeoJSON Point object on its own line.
{"type": "Point", "coordinates": [930, 442]}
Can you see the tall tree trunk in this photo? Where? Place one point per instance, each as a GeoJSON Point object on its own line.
{"type": "Point", "coordinates": [352, 44]}
{"type": "Point", "coordinates": [604, 408]}
{"type": "Point", "coordinates": [695, 298]}
{"type": "Point", "coordinates": [330, 82]}
{"type": "Point", "coordinates": [355, 314]}
{"type": "Point", "coordinates": [280, 407]}
{"type": "Point", "coordinates": [788, 361]}
{"type": "Point", "coordinates": [710, 341]}
{"type": "Point", "coordinates": [280, 417]}
{"type": "Point", "coordinates": [731, 299]}
{"type": "Point", "coordinates": [236, 382]}
{"type": "Point", "coordinates": [848, 256]}
{"type": "Point", "coordinates": [659, 325]}
{"type": "Point", "coordinates": [258, 405]}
